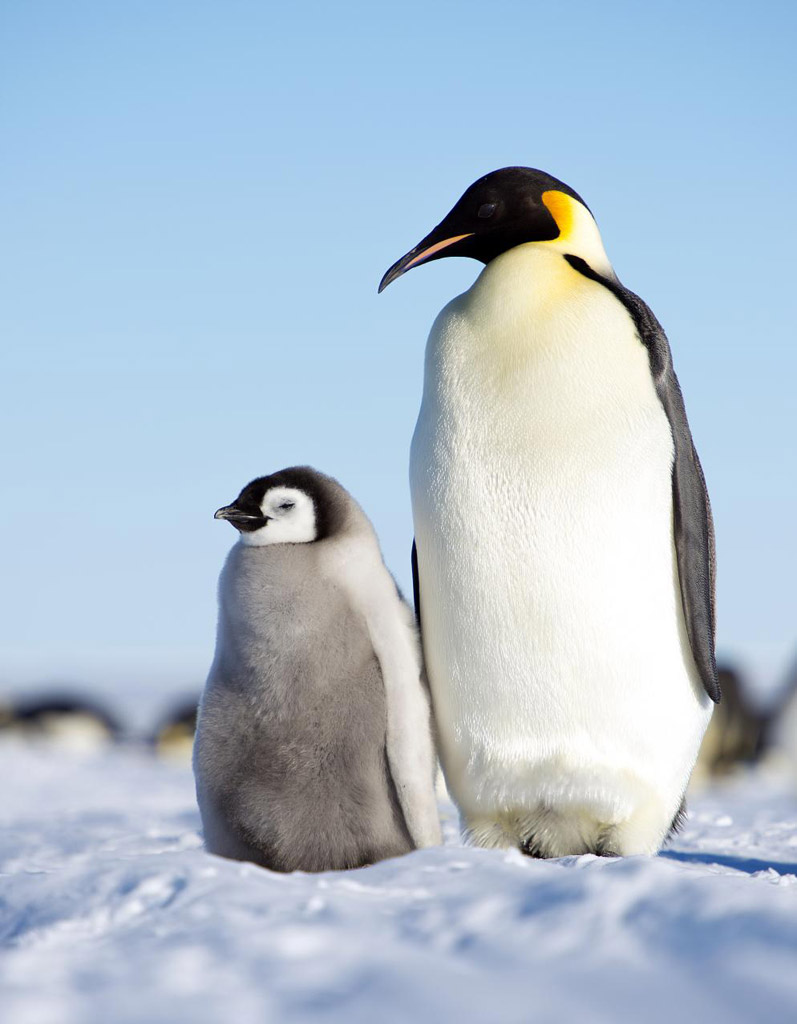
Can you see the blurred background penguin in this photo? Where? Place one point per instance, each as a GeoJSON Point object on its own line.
{"type": "Point", "coordinates": [738, 733]}
{"type": "Point", "coordinates": [61, 718]}
{"type": "Point", "coordinates": [173, 736]}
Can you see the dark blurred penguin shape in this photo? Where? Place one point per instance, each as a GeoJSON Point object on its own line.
{"type": "Point", "coordinates": [782, 732]}
{"type": "Point", "coordinates": [62, 719]}
{"type": "Point", "coordinates": [173, 738]}
{"type": "Point", "coordinates": [738, 735]}
{"type": "Point", "coordinates": [565, 550]}
{"type": "Point", "coordinates": [313, 748]}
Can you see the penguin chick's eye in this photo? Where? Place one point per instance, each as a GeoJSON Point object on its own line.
{"type": "Point", "coordinates": [286, 506]}
{"type": "Point", "coordinates": [486, 210]}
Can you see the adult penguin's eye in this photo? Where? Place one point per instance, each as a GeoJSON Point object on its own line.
{"type": "Point", "coordinates": [486, 210]}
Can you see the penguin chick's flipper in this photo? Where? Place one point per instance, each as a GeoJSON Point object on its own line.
{"type": "Point", "coordinates": [693, 525]}
{"type": "Point", "coordinates": [410, 752]}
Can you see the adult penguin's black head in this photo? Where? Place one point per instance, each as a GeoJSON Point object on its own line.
{"type": "Point", "coordinates": [499, 211]}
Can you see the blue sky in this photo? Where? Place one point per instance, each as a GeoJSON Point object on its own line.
{"type": "Point", "coordinates": [198, 201]}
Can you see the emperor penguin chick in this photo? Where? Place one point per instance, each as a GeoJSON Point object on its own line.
{"type": "Point", "coordinates": [565, 549]}
{"type": "Point", "coordinates": [313, 748]}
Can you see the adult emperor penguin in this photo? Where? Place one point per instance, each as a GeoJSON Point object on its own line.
{"type": "Point", "coordinates": [565, 553]}
{"type": "Point", "coordinates": [313, 748]}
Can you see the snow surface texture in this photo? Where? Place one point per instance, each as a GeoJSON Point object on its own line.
{"type": "Point", "coordinates": [111, 912]}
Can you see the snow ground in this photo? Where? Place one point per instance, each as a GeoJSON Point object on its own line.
{"type": "Point", "coordinates": [112, 913]}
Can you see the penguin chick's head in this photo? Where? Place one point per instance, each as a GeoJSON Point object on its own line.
{"type": "Point", "coordinates": [503, 209]}
{"type": "Point", "coordinates": [295, 506]}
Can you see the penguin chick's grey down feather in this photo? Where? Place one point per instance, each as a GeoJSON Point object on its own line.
{"type": "Point", "coordinates": [313, 748]}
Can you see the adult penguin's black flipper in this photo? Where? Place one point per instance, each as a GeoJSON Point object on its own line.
{"type": "Point", "coordinates": [692, 521]}
{"type": "Point", "coordinates": [416, 584]}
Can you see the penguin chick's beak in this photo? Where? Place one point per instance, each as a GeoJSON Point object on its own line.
{"type": "Point", "coordinates": [235, 516]}
{"type": "Point", "coordinates": [432, 247]}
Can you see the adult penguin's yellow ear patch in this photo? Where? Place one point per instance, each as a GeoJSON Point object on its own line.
{"type": "Point", "coordinates": [562, 208]}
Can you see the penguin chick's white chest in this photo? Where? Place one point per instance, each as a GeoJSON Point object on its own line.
{"type": "Point", "coordinates": [552, 622]}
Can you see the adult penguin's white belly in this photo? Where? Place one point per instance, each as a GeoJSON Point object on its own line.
{"type": "Point", "coordinates": [567, 700]}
